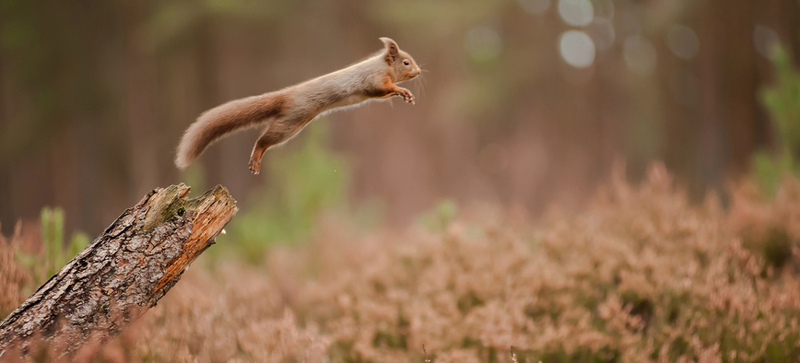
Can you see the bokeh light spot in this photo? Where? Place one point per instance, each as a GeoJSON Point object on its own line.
{"type": "Point", "coordinates": [576, 12]}
{"type": "Point", "coordinates": [577, 48]}
{"type": "Point", "coordinates": [640, 55]}
{"type": "Point", "coordinates": [765, 39]}
{"type": "Point", "coordinates": [682, 41]}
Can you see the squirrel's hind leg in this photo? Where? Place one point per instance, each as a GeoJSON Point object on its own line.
{"type": "Point", "coordinates": [278, 132]}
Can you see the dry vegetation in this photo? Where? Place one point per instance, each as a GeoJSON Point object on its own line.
{"type": "Point", "coordinates": [640, 275]}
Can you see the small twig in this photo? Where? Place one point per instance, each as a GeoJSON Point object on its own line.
{"type": "Point", "coordinates": [513, 355]}
{"type": "Point", "coordinates": [427, 360]}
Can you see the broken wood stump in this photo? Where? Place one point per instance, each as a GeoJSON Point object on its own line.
{"type": "Point", "coordinates": [120, 275]}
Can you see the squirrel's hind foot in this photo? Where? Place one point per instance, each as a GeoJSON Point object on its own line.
{"type": "Point", "coordinates": [255, 166]}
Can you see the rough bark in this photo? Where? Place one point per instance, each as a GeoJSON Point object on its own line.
{"type": "Point", "coordinates": [120, 275]}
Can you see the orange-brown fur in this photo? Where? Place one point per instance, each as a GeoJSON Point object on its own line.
{"type": "Point", "coordinates": [286, 112]}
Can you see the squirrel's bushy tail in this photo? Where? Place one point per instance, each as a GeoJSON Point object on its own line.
{"type": "Point", "coordinates": [223, 120]}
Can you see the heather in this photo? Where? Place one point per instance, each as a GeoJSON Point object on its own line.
{"type": "Point", "coordinates": [640, 273]}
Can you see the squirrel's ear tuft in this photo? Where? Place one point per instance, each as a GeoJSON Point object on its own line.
{"type": "Point", "coordinates": [391, 47]}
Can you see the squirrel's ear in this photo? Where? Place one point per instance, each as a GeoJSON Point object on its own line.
{"type": "Point", "coordinates": [392, 51]}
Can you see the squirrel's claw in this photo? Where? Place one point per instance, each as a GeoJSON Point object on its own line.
{"type": "Point", "coordinates": [406, 94]}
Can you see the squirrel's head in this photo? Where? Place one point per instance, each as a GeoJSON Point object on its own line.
{"type": "Point", "coordinates": [404, 66]}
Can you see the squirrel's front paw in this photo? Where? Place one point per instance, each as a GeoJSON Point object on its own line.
{"type": "Point", "coordinates": [255, 166]}
{"type": "Point", "coordinates": [406, 94]}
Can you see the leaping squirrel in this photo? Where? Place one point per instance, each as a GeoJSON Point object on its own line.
{"type": "Point", "coordinates": [285, 112]}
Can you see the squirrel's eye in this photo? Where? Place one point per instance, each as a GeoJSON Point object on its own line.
{"type": "Point", "coordinates": [406, 62]}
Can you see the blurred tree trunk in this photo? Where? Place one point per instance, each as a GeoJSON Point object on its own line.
{"type": "Point", "coordinates": [120, 275]}
{"type": "Point", "coordinates": [787, 15]}
{"type": "Point", "coordinates": [727, 77]}
{"type": "Point", "coordinates": [140, 102]}
{"type": "Point", "coordinates": [715, 119]}
{"type": "Point", "coordinates": [207, 75]}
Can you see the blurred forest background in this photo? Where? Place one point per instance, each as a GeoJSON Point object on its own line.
{"type": "Point", "coordinates": [526, 103]}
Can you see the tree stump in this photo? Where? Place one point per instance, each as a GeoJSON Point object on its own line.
{"type": "Point", "coordinates": [120, 275]}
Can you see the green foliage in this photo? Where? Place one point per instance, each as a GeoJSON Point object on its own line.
{"type": "Point", "coordinates": [52, 224]}
{"type": "Point", "coordinates": [783, 103]}
{"type": "Point", "coordinates": [301, 184]}
{"type": "Point", "coordinates": [438, 218]}
{"type": "Point", "coordinates": [54, 253]}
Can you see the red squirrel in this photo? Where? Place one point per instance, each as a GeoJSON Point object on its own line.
{"type": "Point", "coordinates": [285, 112]}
